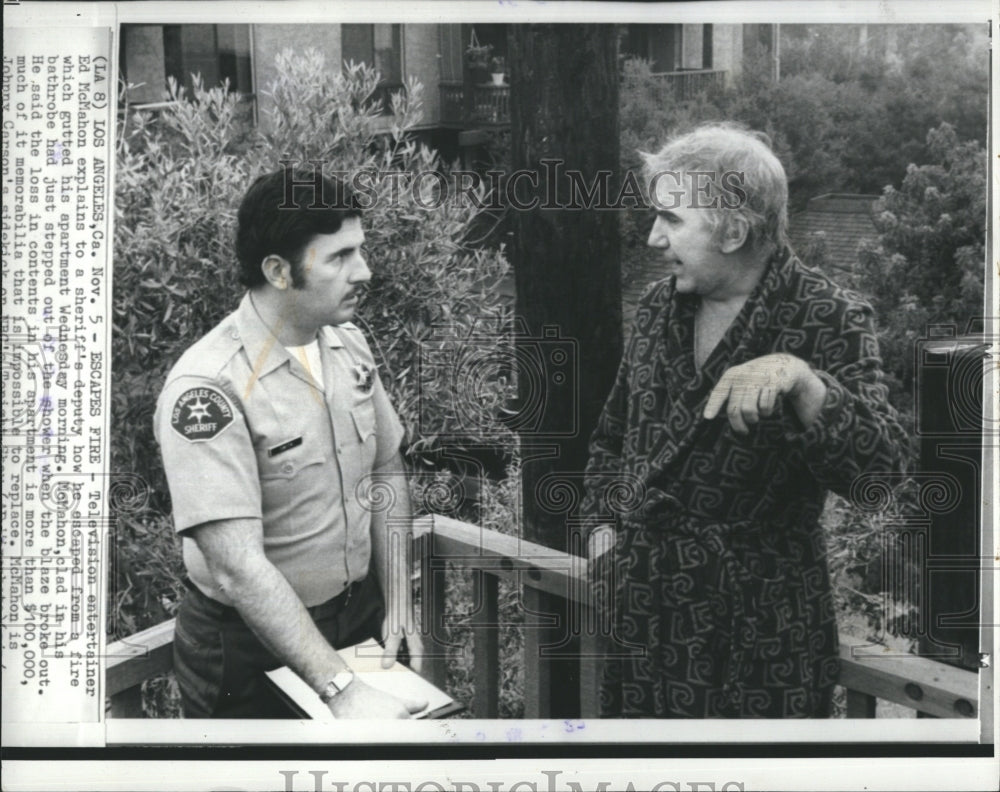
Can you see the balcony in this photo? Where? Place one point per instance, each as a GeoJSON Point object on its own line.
{"type": "Point", "coordinates": [445, 546]}
{"type": "Point", "coordinates": [688, 84]}
{"type": "Point", "coordinates": [488, 105]}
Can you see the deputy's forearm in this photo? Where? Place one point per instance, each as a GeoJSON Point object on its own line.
{"type": "Point", "coordinates": [272, 609]}
{"type": "Point", "coordinates": [392, 531]}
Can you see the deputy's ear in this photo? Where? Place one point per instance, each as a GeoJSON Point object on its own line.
{"type": "Point", "coordinates": [735, 235]}
{"type": "Point", "coordinates": [277, 271]}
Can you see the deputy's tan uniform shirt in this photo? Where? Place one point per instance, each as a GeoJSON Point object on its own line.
{"type": "Point", "coordinates": [245, 433]}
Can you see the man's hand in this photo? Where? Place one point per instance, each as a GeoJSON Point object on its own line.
{"type": "Point", "coordinates": [359, 700]}
{"type": "Point", "coordinates": [752, 390]}
{"type": "Point", "coordinates": [394, 637]}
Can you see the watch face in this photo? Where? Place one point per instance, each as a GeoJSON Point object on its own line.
{"type": "Point", "coordinates": [336, 685]}
{"type": "Point", "coordinates": [342, 679]}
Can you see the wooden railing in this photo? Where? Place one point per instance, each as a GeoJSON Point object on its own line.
{"type": "Point", "coordinates": [546, 576]}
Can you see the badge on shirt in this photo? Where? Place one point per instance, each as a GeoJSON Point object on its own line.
{"type": "Point", "coordinates": [364, 376]}
{"type": "Point", "coordinates": [201, 414]}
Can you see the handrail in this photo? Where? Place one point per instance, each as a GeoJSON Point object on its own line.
{"type": "Point", "coordinates": [868, 671]}
{"type": "Point", "coordinates": [488, 104]}
{"type": "Point", "coordinates": [685, 84]}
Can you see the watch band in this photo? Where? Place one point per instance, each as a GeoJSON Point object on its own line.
{"type": "Point", "coordinates": [336, 685]}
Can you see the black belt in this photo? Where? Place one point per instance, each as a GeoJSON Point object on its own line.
{"type": "Point", "coordinates": [324, 610]}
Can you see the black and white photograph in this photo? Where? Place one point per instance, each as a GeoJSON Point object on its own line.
{"type": "Point", "coordinates": [504, 378]}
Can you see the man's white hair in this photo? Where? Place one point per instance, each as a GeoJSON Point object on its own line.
{"type": "Point", "coordinates": [742, 177]}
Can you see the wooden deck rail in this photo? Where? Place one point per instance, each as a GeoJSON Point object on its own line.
{"type": "Point", "coordinates": [444, 545]}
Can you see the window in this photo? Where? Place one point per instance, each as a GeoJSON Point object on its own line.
{"type": "Point", "coordinates": [379, 46]}
{"type": "Point", "coordinates": [659, 44]}
{"type": "Point", "coordinates": [149, 54]}
{"type": "Point", "coordinates": [670, 48]}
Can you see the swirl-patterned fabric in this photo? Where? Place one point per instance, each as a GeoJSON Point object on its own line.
{"type": "Point", "coordinates": [721, 588]}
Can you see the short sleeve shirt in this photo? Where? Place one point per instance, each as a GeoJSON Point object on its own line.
{"type": "Point", "coordinates": [245, 433]}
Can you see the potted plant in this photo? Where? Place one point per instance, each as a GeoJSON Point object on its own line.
{"type": "Point", "coordinates": [477, 55]}
{"type": "Point", "coordinates": [498, 68]}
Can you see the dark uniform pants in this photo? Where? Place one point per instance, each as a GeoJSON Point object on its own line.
{"type": "Point", "coordinates": [219, 662]}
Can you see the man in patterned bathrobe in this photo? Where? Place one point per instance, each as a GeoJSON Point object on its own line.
{"type": "Point", "coordinates": [750, 386]}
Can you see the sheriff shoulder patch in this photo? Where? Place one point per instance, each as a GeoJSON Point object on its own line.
{"type": "Point", "coordinates": [201, 414]}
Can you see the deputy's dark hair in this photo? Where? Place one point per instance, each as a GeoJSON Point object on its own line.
{"type": "Point", "coordinates": [282, 211]}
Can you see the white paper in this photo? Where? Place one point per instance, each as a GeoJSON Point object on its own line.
{"type": "Point", "coordinates": [365, 661]}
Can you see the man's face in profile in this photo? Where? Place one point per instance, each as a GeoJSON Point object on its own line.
{"type": "Point", "coordinates": [682, 231]}
{"type": "Point", "coordinates": [331, 274]}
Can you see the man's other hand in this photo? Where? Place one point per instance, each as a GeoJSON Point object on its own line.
{"type": "Point", "coordinates": [393, 640]}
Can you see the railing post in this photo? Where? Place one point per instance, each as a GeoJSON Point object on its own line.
{"type": "Point", "coordinates": [432, 606]}
{"type": "Point", "coordinates": [486, 648]}
{"type": "Point", "coordinates": [592, 650]}
{"type": "Point", "coordinates": [537, 669]}
{"type": "Point", "coordinates": [128, 703]}
{"type": "Point", "coordinates": [860, 705]}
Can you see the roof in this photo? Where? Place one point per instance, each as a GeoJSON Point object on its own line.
{"type": "Point", "coordinates": [842, 220]}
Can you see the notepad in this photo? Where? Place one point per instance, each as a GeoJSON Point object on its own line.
{"type": "Point", "coordinates": [366, 662]}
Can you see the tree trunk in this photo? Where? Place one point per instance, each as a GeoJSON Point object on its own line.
{"type": "Point", "coordinates": [564, 119]}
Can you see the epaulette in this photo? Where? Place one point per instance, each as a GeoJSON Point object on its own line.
{"type": "Point", "coordinates": [209, 354]}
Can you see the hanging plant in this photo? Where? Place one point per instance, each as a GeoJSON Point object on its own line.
{"type": "Point", "coordinates": [477, 55]}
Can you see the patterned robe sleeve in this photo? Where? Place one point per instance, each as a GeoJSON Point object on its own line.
{"type": "Point", "coordinates": [605, 465]}
{"type": "Point", "coordinates": [857, 430]}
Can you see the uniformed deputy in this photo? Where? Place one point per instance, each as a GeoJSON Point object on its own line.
{"type": "Point", "coordinates": [274, 428]}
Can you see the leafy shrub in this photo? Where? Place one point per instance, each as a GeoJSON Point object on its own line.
{"type": "Point", "coordinates": [927, 265]}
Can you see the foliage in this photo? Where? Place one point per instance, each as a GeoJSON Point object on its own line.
{"type": "Point", "coordinates": [478, 55]}
{"type": "Point", "coordinates": [493, 505]}
{"type": "Point", "coordinates": [927, 266]}
{"type": "Point", "coordinates": [430, 286]}
{"type": "Point", "coordinates": [173, 243]}
{"type": "Point", "coordinates": [842, 118]}
{"type": "Point", "coordinates": [180, 177]}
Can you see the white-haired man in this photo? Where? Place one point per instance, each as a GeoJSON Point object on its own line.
{"type": "Point", "coordinates": [750, 386]}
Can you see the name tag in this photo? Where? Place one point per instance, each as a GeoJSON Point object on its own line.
{"type": "Point", "coordinates": [284, 447]}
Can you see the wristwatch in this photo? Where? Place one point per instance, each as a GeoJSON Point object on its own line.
{"type": "Point", "coordinates": [336, 685]}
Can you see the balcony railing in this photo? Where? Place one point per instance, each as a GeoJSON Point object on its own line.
{"type": "Point", "coordinates": [489, 105]}
{"type": "Point", "coordinates": [687, 84]}
{"type": "Point", "coordinates": [446, 546]}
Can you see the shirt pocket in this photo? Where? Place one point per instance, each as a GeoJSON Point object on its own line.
{"type": "Point", "coordinates": [287, 465]}
{"type": "Point", "coordinates": [295, 495]}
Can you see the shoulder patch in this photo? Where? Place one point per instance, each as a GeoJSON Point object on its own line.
{"type": "Point", "coordinates": [200, 414]}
